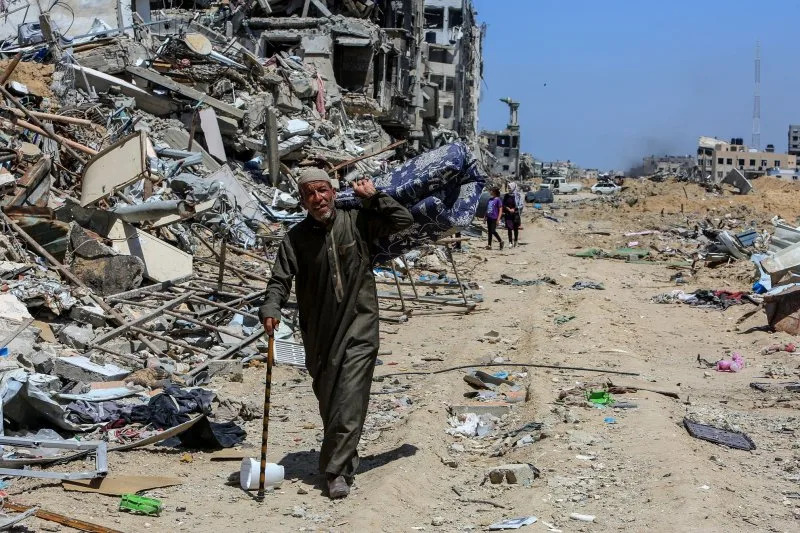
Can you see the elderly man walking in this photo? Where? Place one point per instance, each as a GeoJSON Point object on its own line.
{"type": "Point", "coordinates": [328, 255]}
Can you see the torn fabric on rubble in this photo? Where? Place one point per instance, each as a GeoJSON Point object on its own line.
{"type": "Point", "coordinates": [440, 188]}
{"type": "Point", "coordinates": [164, 411]}
{"type": "Point", "coordinates": [173, 407]}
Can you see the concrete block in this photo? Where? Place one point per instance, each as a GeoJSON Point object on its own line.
{"type": "Point", "coordinates": [88, 314]}
{"type": "Point", "coordinates": [80, 368]}
{"type": "Point", "coordinates": [287, 102]}
{"type": "Point", "coordinates": [76, 336]}
{"type": "Point", "coordinates": [232, 368]}
{"type": "Point", "coordinates": [39, 360]}
{"type": "Point", "coordinates": [513, 474]}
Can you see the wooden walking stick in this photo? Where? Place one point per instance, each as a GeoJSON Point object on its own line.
{"type": "Point", "coordinates": [265, 433]}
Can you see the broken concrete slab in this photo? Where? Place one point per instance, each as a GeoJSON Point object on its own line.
{"type": "Point", "coordinates": [287, 102]}
{"type": "Point", "coordinates": [232, 368]}
{"type": "Point", "coordinates": [92, 315]}
{"type": "Point", "coordinates": [39, 360]}
{"type": "Point", "coordinates": [102, 82]}
{"type": "Point", "coordinates": [513, 474]}
{"type": "Point", "coordinates": [80, 368]}
{"type": "Point", "coordinates": [76, 336]}
{"type": "Point", "coordinates": [185, 90]}
{"type": "Point", "coordinates": [737, 179]}
{"type": "Point", "coordinates": [211, 131]}
{"type": "Point", "coordinates": [13, 309]}
{"type": "Point", "coordinates": [246, 202]}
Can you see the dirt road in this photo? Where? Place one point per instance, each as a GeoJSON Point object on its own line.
{"type": "Point", "coordinates": [642, 472]}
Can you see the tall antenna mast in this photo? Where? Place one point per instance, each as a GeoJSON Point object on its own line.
{"type": "Point", "coordinates": [756, 140]}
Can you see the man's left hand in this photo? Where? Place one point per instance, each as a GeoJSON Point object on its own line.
{"type": "Point", "coordinates": [364, 188]}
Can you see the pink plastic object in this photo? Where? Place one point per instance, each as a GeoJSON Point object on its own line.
{"type": "Point", "coordinates": [723, 365]}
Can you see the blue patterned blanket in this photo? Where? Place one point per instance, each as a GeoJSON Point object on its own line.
{"type": "Point", "coordinates": [440, 188]}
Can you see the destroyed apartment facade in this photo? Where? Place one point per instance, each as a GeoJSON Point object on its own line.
{"type": "Point", "coordinates": [454, 63]}
{"type": "Point", "coordinates": [668, 164]}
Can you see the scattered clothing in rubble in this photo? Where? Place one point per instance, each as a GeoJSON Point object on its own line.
{"type": "Point", "coordinates": [508, 280]}
{"type": "Point", "coordinates": [172, 407]}
{"type": "Point", "coordinates": [703, 298]}
{"type": "Point", "coordinates": [338, 304]}
{"type": "Point", "coordinates": [83, 412]}
{"type": "Point", "coordinates": [440, 188]}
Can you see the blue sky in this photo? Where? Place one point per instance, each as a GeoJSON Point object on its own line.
{"type": "Point", "coordinates": [627, 78]}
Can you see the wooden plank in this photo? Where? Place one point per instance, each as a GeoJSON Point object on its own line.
{"type": "Point", "coordinates": [194, 94]}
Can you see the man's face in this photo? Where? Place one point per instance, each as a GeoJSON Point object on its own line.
{"type": "Point", "coordinates": [318, 198]}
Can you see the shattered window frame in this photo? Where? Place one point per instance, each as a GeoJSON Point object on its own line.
{"type": "Point", "coordinates": [434, 18]}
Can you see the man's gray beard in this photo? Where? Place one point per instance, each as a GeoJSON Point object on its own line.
{"type": "Point", "coordinates": [327, 217]}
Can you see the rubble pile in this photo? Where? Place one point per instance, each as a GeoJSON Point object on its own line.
{"type": "Point", "coordinates": [147, 176]}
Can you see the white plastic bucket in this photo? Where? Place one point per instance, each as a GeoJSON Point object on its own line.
{"type": "Point", "coordinates": [249, 472]}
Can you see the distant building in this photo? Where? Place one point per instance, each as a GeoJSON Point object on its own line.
{"type": "Point", "coordinates": [591, 174]}
{"type": "Point", "coordinates": [794, 139]}
{"type": "Point", "coordinates": [668, 164]}
{"type": "Point", "coordinates": [752, 163]}
{"type": "Point", "coordinates": [504, 148]}
{"type": "Point", "coordinates": [705, 156]}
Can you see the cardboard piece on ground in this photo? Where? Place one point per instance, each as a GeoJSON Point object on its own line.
{"type": "Point", "coordinates": [117, 485]}
{"type": "Point", "coordinates": [234, 455]}
{"type": "Point", "coordinates": [45, 331]}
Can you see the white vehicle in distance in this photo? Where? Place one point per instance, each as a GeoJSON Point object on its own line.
{"type": "Point", "coordinates": [605, 187]}
{"type": "Point", "coordinates": [560, 185]}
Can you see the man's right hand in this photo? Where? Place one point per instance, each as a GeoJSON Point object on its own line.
{"type": "Point", "coordinates": [270, 325]}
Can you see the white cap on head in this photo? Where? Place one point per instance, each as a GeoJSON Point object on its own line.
{"type": "Point", "coordinates": [311, 174]}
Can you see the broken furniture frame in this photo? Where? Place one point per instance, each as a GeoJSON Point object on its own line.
{"type": "Point", "coordinates": [100, 448]}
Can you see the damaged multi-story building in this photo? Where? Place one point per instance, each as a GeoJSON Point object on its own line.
{"type": "Point", "coordinates": [388, 60]}
{"type": "Point", "coordinates": [454, 63]}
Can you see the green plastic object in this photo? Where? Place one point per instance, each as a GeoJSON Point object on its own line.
{"type": "Point", "coordinates": [133, 503]}
{"type": "Point", "coordinates": [599, 397]}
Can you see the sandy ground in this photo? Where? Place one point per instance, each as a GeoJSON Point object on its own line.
{"type": "Point", "coordinates": [641, 473]}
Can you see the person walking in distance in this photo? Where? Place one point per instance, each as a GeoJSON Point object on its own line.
{"type": "Point", "coordinates": [493, 212]}
{"type": "Point", "coordinates": [329, 257]}
{"type": "Point", "coordinates": [511, 215]}
{"type": "Point", "coordinates": [519, 197]}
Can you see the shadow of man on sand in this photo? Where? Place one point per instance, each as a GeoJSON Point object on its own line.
{"type": "Point", "coordinates": [304, 465]}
